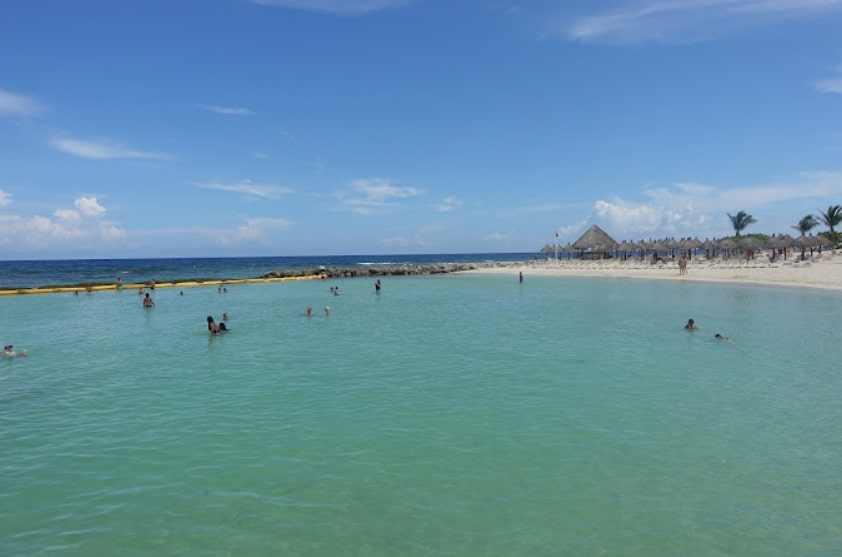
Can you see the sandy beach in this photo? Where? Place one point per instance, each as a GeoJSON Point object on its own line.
{"type": "Point", "coordinates": [821, 271]}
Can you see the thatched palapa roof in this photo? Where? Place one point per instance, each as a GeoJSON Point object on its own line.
{"type": "Point", "coordinates": [595, 239]}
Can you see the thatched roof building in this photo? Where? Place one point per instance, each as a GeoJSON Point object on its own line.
{"type": "Point", "coordinates": [595, 241]}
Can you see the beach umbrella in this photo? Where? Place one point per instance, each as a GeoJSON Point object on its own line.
{"type": "Point", "coordinates": [781, 241]}
{"type": "Point", "coordinates": [727, 245]}
{"type": "Point", "coordinates": [749, 242]}
{"type": "Point", "coordinates": [624, 248]}
{"type": "Point", "coordinates": [690, 244]}
{"type": "Point", "coordinates": [709, 246]}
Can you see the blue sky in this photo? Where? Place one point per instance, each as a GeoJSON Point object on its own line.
{"type": "Point", "coordinates": [313, 127]}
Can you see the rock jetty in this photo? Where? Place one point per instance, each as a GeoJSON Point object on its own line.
{"type": "Point", "coordinates": [397, 269]}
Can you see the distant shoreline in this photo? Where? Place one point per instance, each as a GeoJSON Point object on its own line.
{"type": "Point", "coordinates": [823, 272]}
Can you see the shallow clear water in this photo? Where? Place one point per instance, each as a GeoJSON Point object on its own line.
{"type": "Point", "coordinates": [449, 415]}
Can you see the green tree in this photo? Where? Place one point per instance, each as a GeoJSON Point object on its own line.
{"type": "Point", "coordinates": [831, 219]}
{"type": "Point", "coordinates": [806, 224]}
{"type": "Point", "coordinates": [740, 221]}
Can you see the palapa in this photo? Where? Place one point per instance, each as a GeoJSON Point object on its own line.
{"type": "Point", "coordinates": [596, 240]}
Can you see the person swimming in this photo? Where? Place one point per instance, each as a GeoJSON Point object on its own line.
{"type": "Point", "coordinates": [691, 325]}
{"type": "Point", "coordinates": [10, 352]}
{"type": "Point", "coordinates": [215, 328]}
{"type": "Point", "coordinates": [717, 336]}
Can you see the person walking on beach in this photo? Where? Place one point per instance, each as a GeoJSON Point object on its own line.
{"type": "Point", "coordinates": [147, 301]}
{"type": "Point", "coordinates": [682, 266]}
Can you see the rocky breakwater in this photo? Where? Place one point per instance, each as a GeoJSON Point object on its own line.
{"type": "Point", "coordinates": [398, 269]}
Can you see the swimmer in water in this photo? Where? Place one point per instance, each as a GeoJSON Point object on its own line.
{"type": "Point", "coordinates": [10, 352]}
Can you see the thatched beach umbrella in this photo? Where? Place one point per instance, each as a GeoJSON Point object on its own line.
{"type": "Point", "coordinates": [749, 244]}
{"type": "Point", "coordinates": [690, 244]}
{"type": "Point", "coordinates": [709, 246]}
{"type": "Point", "coordinates": [781, 242]}
{"type": "Point", "coordinates": [624, 248]}
{"type": "Point", "coordinates": [727, 245]}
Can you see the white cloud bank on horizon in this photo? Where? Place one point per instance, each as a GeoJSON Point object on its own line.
{"type": "Point", "coordinates": [689, 209]}
{"type": "Point", "coordinates": [18, 105]}
{"type": "Point", "coordinates": [65, 229]}
{"type": "Point", "coordinates": [683, 21]}
{"type": "Point", "coordinates": [103, 150]}
{"type": "Point", "coordinates": [336, 7]}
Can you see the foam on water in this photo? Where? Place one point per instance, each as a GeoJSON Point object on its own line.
{"type": "Point", "coordinates": [449, 415]}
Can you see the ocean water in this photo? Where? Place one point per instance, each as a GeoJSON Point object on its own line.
{"type": "Point", "coordinates": [452, 415]}
{"type": "Point", "coordinates": [73, 272]}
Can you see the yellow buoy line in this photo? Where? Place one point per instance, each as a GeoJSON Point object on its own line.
{"type": "Point", "coordinates": [183, 284]}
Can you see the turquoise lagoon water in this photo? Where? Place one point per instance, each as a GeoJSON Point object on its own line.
{"type": "Point", "coordinates": [456, 415]}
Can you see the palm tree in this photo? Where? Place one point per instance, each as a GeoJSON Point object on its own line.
{"type": "Point", "coordinates": [806, 224]}
{"type": "Point", "coordinates": [741, 220]}
{"type": "Point", "coordinates": [831, 219]}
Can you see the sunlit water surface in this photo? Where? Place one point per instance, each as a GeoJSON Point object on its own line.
{"type": "Point", "coordinates": [449, 415]}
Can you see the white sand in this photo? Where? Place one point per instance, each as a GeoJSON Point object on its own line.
{"type": "Point", "coordinates": [821, 271]}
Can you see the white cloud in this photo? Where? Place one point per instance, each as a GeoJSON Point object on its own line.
{"type": "Point", "coordinates": [336, 7]}
{"type": "Point", "coordinates": [5, 198]}
{"type": "Point", "coordinates": [566, 233]}
{"type": "Point", "coordinates": [699, 209]}
{"type": "Point", "coordinates": [497, 237]}
{"type": "Point", "coordinates": [448, 204]}
{"type": "Point", "coordinates": [111, 232]}
{"type": "Point", "coordinates": [256, 229]}
{"type": "Point", "coordinates": [689, 20]}
{"type": "Point", "coordinates": [66, 215]}
{"type": "Point", "coordinates": [67, 229]}
{"type": "Point", "coordinates": [259, 155]}
{"type": "Point", "coordinates": [89, 206]}
{"type": "Point", "coordinates": [41, 231]}
{"type": "Point", "coordinates": [375, 195]}
{"type": "Point", "coordinates": [101, 150]}
{"type": "Point", "coordinates": [831, 84]}
{"type": "Point", "coordinates": [228, 110]}
{"type": "Point", "coordinates": [248, 189]}
{"type": "Point", "coordinates": [18, 105]}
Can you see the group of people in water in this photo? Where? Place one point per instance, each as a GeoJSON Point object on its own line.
{"type": "Point", "coordinates": [691, 326]}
